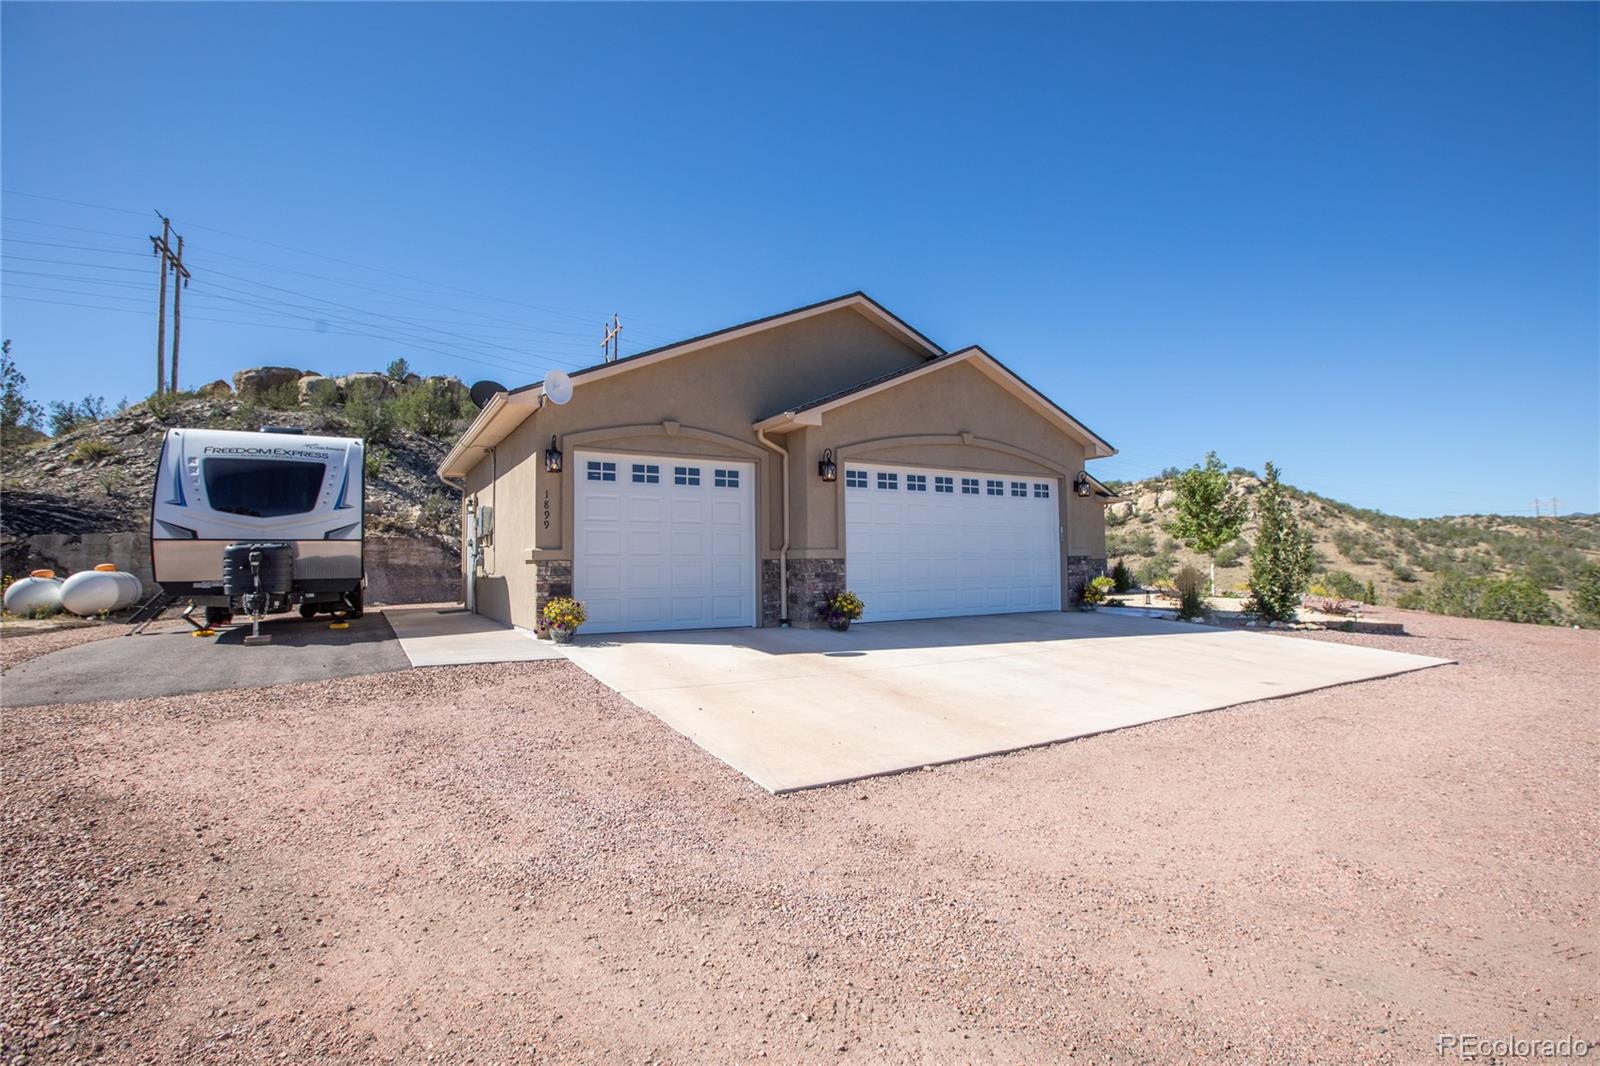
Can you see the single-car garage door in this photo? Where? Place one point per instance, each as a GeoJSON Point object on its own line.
{"type": "Point", "coordinates": [664, 543]}
{"type": "Point", "coordinates": [925, 543]}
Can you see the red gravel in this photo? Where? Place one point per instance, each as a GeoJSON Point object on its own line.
{"type": "Point", "coordinates": [509, 862]}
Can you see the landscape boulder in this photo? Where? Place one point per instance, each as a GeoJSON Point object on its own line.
{"type": "Point", "coordinates": [315, 388]}
{"type": "Point", "coordinates": [215, 390]}
{"type": "Point", "coordinates": [1166, 499]}
{"type": "Point", "coordinates": [379, 386]}
{"type": "Point", "coordinates": [447, 383]}
{"type": "Point", "coordinates": [1120, 509]}
{"type": "Point", "coordinates": [260, 379]}
{"type": "Point", "coordinates": [1147, 503]}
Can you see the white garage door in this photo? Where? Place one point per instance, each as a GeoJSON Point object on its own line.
{"type": "Point", "coordinates": [664, 543]}
{"type": "Point", "coordinates": [924, 543]}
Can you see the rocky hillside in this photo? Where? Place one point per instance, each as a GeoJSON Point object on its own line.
{"type": "Point", "coordinates": [1396, 555]}
{"type": "Point", "coordinates": [98, 477]}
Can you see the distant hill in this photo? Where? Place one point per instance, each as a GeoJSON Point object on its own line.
{"type": "Point", "coordinates": [1397, 555]}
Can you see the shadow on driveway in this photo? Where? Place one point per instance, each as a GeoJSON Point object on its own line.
{"type": "Point", "coordinates": [173, 663]}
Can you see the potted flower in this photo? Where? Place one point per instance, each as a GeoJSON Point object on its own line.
{"type": "Point", "coordinates": [1095, 593]}
{"type": "Point", "coordinates": [563, 615]}
{"type": "Point", "coordinates": [842, 609]}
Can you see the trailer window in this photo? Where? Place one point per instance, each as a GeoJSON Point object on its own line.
{"type": "Point", "coordinates": [262, 488]}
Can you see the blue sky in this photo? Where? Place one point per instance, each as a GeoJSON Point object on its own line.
{"type": "Point", "coordinates": [1360, 240]}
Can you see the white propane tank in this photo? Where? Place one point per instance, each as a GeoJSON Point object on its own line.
{"type": "Point", "coordinates": [105, 588]}
{"type": "Point", "coordinates": [39, 593]}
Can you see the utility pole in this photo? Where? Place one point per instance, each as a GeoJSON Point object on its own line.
{"type": "Point", "coordinates": [161, 312]}
{"type": "Point", "coordinates": [178, 285]}
{"type": "Point", "coordinates": [1536, 513]}
{"type": "Point", "coordinates": [170, 261]}
{"type": "Point", "coordinates": [611, 342]}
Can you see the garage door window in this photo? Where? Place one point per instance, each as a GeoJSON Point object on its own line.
{"type": "Point", "coordinates": [969, 486]}
{"type": "Point", "coordinates": [1041, 490]}
{"type": "Point", "coordinates": [943, 484]}
{"type": "Point", "coordinates": [997, 488]}
{"type": "Point", "coordinates": [855, 479]}
{"type": "Point", "coordinates": [1019, 488]}
{"type": "Point", "coordinates": [888, 481]}
{"type": "Point", "coordinates": [725, 479]}
{"type": "Point", "coordinates": [686, 475]}
{"type": "Point", "coordinates": [602, 471]}
{"type": "Point", "coordinates": [916, 483]}
{"type": "Point", "coordinates": [646, 474]}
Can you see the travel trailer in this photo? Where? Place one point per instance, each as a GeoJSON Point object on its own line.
{"type": "Point", "coordinates": [256, 523]}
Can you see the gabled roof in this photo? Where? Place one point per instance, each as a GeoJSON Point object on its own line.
{"type": "Point", "coordinates": [506, 410]}
{"type": "Point", "coordinates": [859, 300]}
{"type": "Point", "coordinates": [811, 412]}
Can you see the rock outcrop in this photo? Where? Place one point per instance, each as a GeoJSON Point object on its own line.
{"type": "Point", "coordinates": [261, 379]}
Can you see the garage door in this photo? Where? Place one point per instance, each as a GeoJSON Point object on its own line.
{"type": "Point", "coordinates": [925, 543]}
{"type": "Point", "coordinates": [664, 543]}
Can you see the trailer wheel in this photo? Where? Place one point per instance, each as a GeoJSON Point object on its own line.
{"type": "Point", "coordinates": [308, 611]}
{"type": "Point", "coordinates": [218, 616]}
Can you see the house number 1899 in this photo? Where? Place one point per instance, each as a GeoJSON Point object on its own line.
{"type": "Point", "coordinates": [547, 508]}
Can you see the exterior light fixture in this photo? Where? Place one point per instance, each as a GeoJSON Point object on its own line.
{"type": "Point", "coordinates": [827, 469]}
{"type": "Point", "coordinates": [552, 458]}
{"type": "Point", "coordinates": [1081, 485]}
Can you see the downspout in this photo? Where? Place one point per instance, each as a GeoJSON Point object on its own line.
{"type": "Point", "coordinates": [471, 581]}
{"type": "Point", "coordinates": [783, 552]}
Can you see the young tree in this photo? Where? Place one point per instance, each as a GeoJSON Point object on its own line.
{"type": "Point", "coordinates": [1280, 565]}
{"type": "Point", "coordinates": [1209, 515]}
{"type": "Point", "coordinates": [20, 417]}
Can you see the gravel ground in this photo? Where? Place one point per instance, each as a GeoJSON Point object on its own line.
{"type": "Point", "coordinates": [510, 862]}
{"type": "Point", "coordinates": [19, 645]}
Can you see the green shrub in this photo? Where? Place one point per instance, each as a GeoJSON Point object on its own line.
{"type": "Point", "coordinates": [1402, 572]}
{"type": "Point", "coordinates": [1141, 542]}
{"type": "Point", "coordinates": [1507, 599]}
{"type": "Point", "coordinates": [1157, 570]}
{"type": "Point", "coordinates": [1280, 565]}
{"type": "Point", "coordinates": [66, 417]}
{"type": "Point", "coordinates": [1371, 596]}
{"type": "Point", "coordinates": [1342, 583]}
{"type": "Point", "coordinates": [1095, 591]}
{"type": "Point", "coordinates": [285, 397]}
{"type": "Point", "coordinates": [1230, 554]}
{"type": "Point", "coordinates": [432, 408]}
{"type": "Point", "coordinates": [1586, 595]}
{"type": "Point", "coordinates": [1412, 600]}
{"type": "Point", "coordinates": [90, 449]}
{"type": "Point", "coordinates": [1121, 577]}
{"type": "Point", "coordinates": [164, 405]}
{"type": "Point", "coordinates": [369, 415]}
{"type": "Point", "coordinates": [377, 458]}
{"type": "Point", "coordinates": [1191, 593]}
{"type": "Point", "coordinates": [399, 369]}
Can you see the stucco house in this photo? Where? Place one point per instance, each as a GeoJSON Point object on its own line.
{"type": "Point", "coordinates": [738, 478]}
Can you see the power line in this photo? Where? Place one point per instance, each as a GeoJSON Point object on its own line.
{"type": "Point", "coordinates": [574, 315]}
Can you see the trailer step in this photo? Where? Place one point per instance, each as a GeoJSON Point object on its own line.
{"type": "Point", "coordinates": [150, 610]}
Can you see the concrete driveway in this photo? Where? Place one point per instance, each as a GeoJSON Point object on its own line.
{"type": "Point", "coordinates": [799, 708]}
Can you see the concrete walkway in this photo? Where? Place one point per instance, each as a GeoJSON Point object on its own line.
{"type": "Point", "coordinates": [451, 637]}
{"type": "Point", "coordinates": [798, 708]}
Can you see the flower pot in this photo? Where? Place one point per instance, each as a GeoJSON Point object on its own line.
{"type": "Point", "coordinates": [561, 636]}
{"type": "Point", "coordinates": [839, 624]}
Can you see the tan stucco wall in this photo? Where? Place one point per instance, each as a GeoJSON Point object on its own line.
{"type": "Point", "coordinates": [715, 395]}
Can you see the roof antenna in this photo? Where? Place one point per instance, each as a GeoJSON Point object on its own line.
{"type": "Point", "coordinates": [611, 342]}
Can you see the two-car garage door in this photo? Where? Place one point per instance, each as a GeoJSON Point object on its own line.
{"type": "Point", "coordinates": [664, 543]}
{"type": "Point", "coordinates": [926, 543]}
{"type": "Point", "coordinates": [670, 543]}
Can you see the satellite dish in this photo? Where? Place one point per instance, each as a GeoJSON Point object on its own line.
{"type": "Point", "coordinates": [558, 387]}
{"type": "Point", "coordinates": [483, 391]}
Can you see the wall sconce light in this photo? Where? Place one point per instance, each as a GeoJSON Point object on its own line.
{"type": "Point", "coordinates": [827, 469]}
{"type": "Point", "coordinates": [1081, 485]}
{"type": "Point", "coordinates": [552, 458]}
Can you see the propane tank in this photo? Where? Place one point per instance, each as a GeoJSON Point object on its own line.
{"type": "Point", "coordinates": [38, 593]}
{"type": "Point", "coordinates": [105, 588]}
